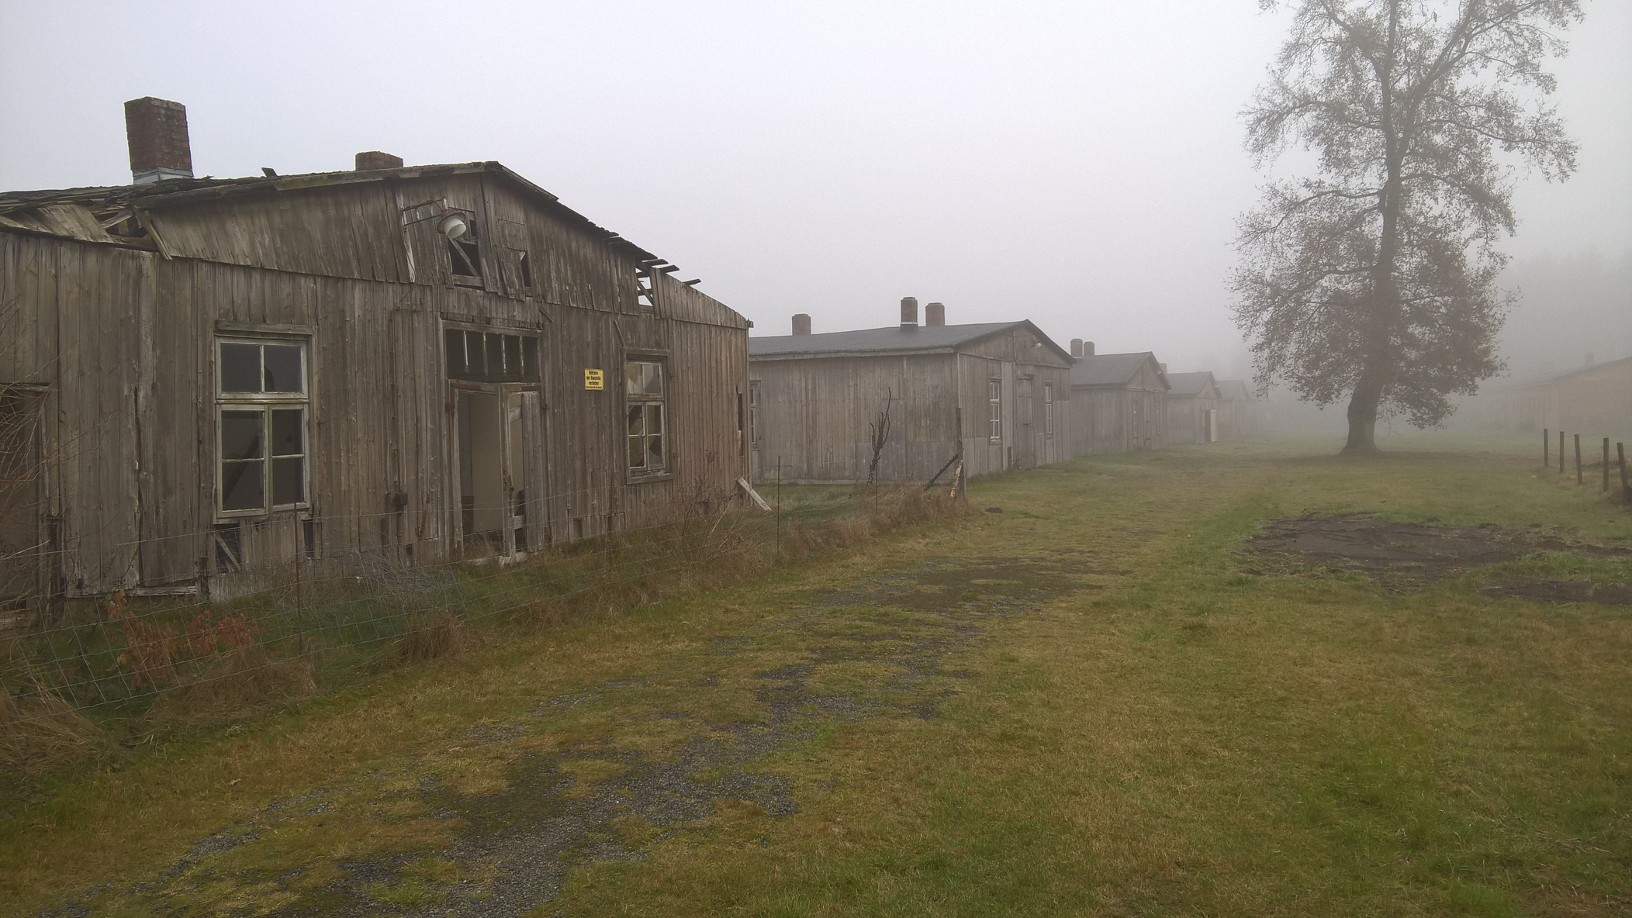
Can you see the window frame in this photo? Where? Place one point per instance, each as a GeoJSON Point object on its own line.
{"type": "Point", "coordinates": [266, 405]}
{"type": "Point", "coordinates": [994, 399]}
{"type": "Point", "coordinates": [460, 250]}
{"type": "Point", "coordinates": [1048, 411]}
{"type": "Point", "coordinates": [665, 432]}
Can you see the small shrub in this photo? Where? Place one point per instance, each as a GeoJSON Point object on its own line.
{"type": "Point", "coordinates": [153, 651]}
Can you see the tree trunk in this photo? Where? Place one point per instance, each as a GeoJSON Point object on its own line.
{"type": "Point", "coordinates": [1362, 421]}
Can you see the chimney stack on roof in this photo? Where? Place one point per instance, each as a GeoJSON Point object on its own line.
{"type": "Point", "coordinates": [1076, 348]}
{"type": "Point", "coordinates": [934, 315]}
{"type": "Point", "coordinates": [374, 159]}
{"type": "Point", "coordinates": [156, 130]}
{"type": "Point", "coordinates": [909, 312]}
{"type": "Point", "coordinates": [1087, 348]}
{"type": "Point", "coordinates": [801, 323]}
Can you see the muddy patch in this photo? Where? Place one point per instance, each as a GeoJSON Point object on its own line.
{"type": "Point", "coordinates": [1403, 554]}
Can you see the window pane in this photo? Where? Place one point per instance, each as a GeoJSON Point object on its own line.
{"type": "Point", "coordinates": [240, 367]}
{"type": "Point", "coordinates": [512, 357]}
{"type": "Point", "coordinates": [529, 358]}
{"type": "Point", "coordinates": [654, 419]}
{"type": "Point", "coordinates": [654, 378]}
{"type": "Point", "coordinates": [283, 370]}
{"type": "Point", "coordinates": [241, 435]}
{"type": "Point", "coordinates": [636, 419]}
{"type": "Point", "coordinates": [287, 436]}
{"type": "Point", "coordinates": [654, 452]}
{"type": "Point", "coordinates": [495, 357]}
{"type": "Point", "coordinates": [454, 342]}
{"type": "Point", "coordinates": [637, 454]}
{"type": "Point", "coordinates": [632, 377]}
{"type": "Point", "coordinates": [241, 485]}
{"type": "Point", "coordinates": [288, 481]}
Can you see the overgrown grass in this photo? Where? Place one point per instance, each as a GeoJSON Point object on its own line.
{"type": "Point", "coordinates": [1153, 731]}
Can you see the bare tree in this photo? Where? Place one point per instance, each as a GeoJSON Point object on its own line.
{"type": "Point", "coordinates": [1376, 277]}
{"type": "Point", "coordinates": [879, 432]}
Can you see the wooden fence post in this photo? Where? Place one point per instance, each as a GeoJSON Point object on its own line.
{"type": "Point", "coordinates": [1578, 480]}
{"type": "Point", "coordinates": [1561, 452]}
{"type": "Point", "coordinates": [1626, 486]}
{"type": "Point", "coordinates": [1606, 465]}
{"type": "Point", "coordinates": [1546, 443]}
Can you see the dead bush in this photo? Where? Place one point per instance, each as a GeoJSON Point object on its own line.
{"type": "Point", "coordinates": [40, 732]}
{"type": "Point", "coordinates": [440, 635]}
{"type": "Point", "coordinates": [233, 682]}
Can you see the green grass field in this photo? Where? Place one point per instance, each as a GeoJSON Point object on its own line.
{"type": "Point", "coordinates": [1085, 696]}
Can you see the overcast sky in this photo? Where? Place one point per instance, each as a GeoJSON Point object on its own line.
{"type": "Point", "coordinates": [1076, 163]}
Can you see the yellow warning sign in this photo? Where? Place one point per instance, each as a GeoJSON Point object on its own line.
{"type": "Point", "coordinates": [594, 379]}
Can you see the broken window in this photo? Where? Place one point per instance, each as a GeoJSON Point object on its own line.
{"type": "Point", "coordinates": [644, 401]}
{"type": "Point", "coordinates": [994, 397]}
{"type": "Point", "coordinates": [524, 268]}
{"type": "Point", "coordinates": [643, 288]}
{"type": "Point", "coordinates": [476, 356]}
{"type": "Point", "coordinates": [262, 404]}
{"type": "Point", "coordinates": [465, 254]}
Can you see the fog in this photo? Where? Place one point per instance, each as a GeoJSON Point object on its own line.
{"type": "Point", "coordinates": [1077, 164]}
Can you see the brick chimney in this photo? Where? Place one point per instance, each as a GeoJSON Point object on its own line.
{"type": "Point", "coordinates": [156, 130]}
{"type": "Point", "coordinates": [934, 314]}
{"type": "Point", "coordinates": [1087, 348]}
{"type": "Point", "coordinates": [801, 323]}
{"type": "Point", "coordinates": [909, 312]}
{"type": "Point", "coordinates": [1076, 348]}
{"type": "Point", "coordinates": [374, 159]}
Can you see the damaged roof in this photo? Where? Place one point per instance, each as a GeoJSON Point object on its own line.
{"type": "Point", "coordinates": [83, 213]}
{"type": "Point", "coordinates": [893, 339]}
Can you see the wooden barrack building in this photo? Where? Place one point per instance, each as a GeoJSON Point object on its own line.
{"type": "Point", "coordinates": [209, 380]}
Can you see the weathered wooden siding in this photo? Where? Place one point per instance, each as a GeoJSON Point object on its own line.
{"type": "Point", "coordinates": [70, 314]}
{"type": "Point", "coordinates": [816, 412]}
{"type": "Point", "coordinates": [1120, 419]}
{"type": "Point", "coordinates": [1186, 418]}
{"type": "Point", "coordinates": [125, 343]}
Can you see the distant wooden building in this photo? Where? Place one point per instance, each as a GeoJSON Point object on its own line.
{"type": "Point", "coordinates": [1118, 402]}
{"type": "Point", "coordinates": [1192, 408]}
{"type": "Point", "coordinates": [1595, 401]}
{"type": "Point", "coordinates": [995, 390]}
{"type": "Point", "coordinates": [1241, 414]}
{"type": "Point", "coordinates": [209, 381]}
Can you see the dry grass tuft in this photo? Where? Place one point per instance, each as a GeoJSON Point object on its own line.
{"type": "Point", "coordinates": [440, 635]}
{"type": "Point", "coordinates": [890, 509]}
{"type": "Point", "coordinates": [238, 680]}
{"type": "Point", "coordinates": [40, 732]}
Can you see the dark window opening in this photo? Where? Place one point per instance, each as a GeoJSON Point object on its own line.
{"type": "Point", "coordinates": [465, 253]}
{"type": "Point", "coordinates": [525, 267]}
{"type": "Point", "coordinates": [491, 356]}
